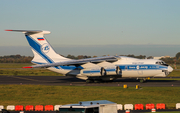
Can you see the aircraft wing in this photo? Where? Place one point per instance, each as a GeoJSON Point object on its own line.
{"type": "Point", "coordinates": [77, 62]}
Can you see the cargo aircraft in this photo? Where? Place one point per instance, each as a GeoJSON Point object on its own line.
{"type": "Point", "coordinates": [106, 68]}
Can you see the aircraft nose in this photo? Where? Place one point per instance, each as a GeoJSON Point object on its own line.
{"type": "Point", "coordinates": [170, 69]}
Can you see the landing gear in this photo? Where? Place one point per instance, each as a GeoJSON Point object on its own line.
{"type": "Point", "coordinates": [93, 81]}
{"type": "Point", "coordinates": [142, 80]}
{"type": "Point", "coordinates": [89, 81]}
{"type": "Point", "coordinates": [97, 81]}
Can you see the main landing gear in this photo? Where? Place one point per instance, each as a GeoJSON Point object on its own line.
{"type": "Point", "coordinates": [89, 81]}
{"type": "Point", "coordinates": [142, 80]}
{"type": "Point", "coordinates": [93, 81]}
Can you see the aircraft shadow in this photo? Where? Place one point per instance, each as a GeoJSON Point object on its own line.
{"type": "Point", "coordinates": [76, 80]}
{"type": "Point", "coordinates": [134, 80]}
{"type": "Point", "coordinates": [70, 79]}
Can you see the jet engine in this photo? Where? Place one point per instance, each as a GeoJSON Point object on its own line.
{"type": "Point", "coordinates": [103, 71]}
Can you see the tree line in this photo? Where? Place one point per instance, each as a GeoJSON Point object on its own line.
{"type": "Point", "coordinates": [27, 59]}
{"type": "Point", "coordinates": [15, 59]}
{"type": "Point", "coordinates": [84, 56]}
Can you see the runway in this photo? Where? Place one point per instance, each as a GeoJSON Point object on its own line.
{"type": "Point", "coordinates": [66, 81]}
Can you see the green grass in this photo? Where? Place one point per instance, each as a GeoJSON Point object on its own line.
{"type": "Point", "coordinates": [14, 65]}
{"type": "Point", "coordinates": [28, 72]}
{"type": "Point", "coordinates": [40, 94]}
{"type": "Point", "coordinates": [17, 70]}
{"type": "Point", "coordinates": [175, 73]}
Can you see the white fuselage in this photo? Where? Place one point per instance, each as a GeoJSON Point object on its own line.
{"type": "Point", "coordinates": [129, 67]}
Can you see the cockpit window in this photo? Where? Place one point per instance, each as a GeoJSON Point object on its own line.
{"type": "Point", "coordinates": [161, 63]}
{"type": "Point", "coordinates": [157, 62]}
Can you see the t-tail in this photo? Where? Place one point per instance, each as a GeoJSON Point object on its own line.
{"type": "Point", "coordinates": [42, 50]}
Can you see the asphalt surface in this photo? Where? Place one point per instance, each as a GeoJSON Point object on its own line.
{"type": "Point", "coordinates": [65, 80]}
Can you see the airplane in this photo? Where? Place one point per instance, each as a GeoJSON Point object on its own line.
{"type": "Point", "coordinates": [98, 69]}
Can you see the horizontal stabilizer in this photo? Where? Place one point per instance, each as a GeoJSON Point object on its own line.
{"type": "Point", "coordinates": [30, 31]}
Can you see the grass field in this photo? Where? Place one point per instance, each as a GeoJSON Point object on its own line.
{"type": "Point", "coordinates": [14, 65]}
{"type": "Point", "coordinates": [55, 95]}
{"type": "Point", "coordinates": [17, 70]}
{"type": "Point", "coordinates": [28, 72]}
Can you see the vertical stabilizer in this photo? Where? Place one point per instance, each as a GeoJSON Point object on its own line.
{"type": "Point", "coordinates": [42, 50]}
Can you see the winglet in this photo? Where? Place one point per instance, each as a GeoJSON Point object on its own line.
{"type": "Point", "coordinates": [28, 67]}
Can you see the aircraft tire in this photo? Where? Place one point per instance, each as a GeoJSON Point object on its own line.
{"type": "Point", "coordinates": [89, 81]}
{"type": "Point", "coordinates": [142, 80]}
{"type": "Point", "coordinates": [97, 81]}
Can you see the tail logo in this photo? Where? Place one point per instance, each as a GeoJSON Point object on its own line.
{"type": "Point", "coordinates": [45, 48]}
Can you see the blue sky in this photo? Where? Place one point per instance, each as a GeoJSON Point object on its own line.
{"type": "Point", "coordinates": [91, 23]}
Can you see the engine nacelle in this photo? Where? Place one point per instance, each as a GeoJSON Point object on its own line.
{"type": "Point", "coordinates": [111, 71]}
{"type": "Point", "coordinates": [91, 72]}
{"type": "Point", "coordinates": [101, 72]}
